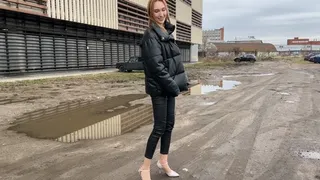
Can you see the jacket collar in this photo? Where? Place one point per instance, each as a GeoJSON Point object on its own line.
{"type": "Point", "coordinates": [164, 36]}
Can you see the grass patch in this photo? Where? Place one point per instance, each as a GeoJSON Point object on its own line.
{"type": "Point", "coordinates": [291, 59]}
{"type": "Point", "coordinates": [112, 77]}
{"type": "Point", "coordinates": [208, 63]}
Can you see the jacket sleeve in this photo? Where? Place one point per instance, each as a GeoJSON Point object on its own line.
{"type": "Point", "coordinates": [151, 52]}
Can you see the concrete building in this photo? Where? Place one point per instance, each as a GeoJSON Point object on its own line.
{"type": "Point", "coordinates": [297, 49]}
{"type": "Point", "coordinates": [298, 46]}
{"type": "Point", "coordinates": [211, 36]}
{"type": "Point", "coordinates": [215, 35]}
{"type": "Point", "coordinates": [39, 35]}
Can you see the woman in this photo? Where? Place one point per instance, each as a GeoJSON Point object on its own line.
{"type": "Point", "coordinates": [165, 78]}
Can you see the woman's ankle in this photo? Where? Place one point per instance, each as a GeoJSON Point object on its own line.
{"type": "Point", "coordinates": [146, 164]}
{"type": "Point", "coordinates": [163, 159]}
{"type": "Point", "coordinates": [143, 167]}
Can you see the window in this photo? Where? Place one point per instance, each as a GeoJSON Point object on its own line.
{"type": "Point", "coordinates": [187, 1]}
{"type": "Point", "coordinates": [183, 32]}
{"type": "Point", "coordinates": [172, 7]}
{"type": "Point", "coordinates": [132, 17]}
{"type": "Point", "coordinates": [196, 18]}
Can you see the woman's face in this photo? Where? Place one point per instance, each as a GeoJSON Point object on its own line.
{"type": "Point", "coordinates": [159, 12]}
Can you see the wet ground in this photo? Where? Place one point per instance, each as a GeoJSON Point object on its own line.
{"type": "Point", "coordinates": [65, 118]}
{"type": "Point", "coordinates": [265, 127]}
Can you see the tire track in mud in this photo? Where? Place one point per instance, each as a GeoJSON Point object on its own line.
{"type": "Point", "coordinates": [220, 131]}
{"type": "Point", "coordinates": [66, 166]}
{"type": "Point", "coordinates": [238, 167]}
{"type": "Point", "coordinates": [222, 125]}
{"type": "Point", "coordinates": [259, 93]}
{"type": "Point", "coordinates": [237, 99]}
{"type": "Point", "coordinates": [194, 137]}
{"type": "Point", "coordinates": [285, 164]}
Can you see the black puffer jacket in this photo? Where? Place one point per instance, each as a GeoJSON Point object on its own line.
{"type": "Point", "coordinates": [163, 67]}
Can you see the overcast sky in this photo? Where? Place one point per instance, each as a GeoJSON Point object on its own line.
{"type": "Point", "coordinates": [270, 20]}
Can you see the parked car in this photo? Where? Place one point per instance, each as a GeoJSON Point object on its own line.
{"type": "Point", "coordinates": [246, 57]}
{"type": "Point", "coordinates": [308, 56]}
{"type": "Point", "coordinates": [315, 59]}
{"type": "Point", "coordinates": [134, 63]}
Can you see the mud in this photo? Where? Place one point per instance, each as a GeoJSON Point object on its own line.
{"type": "Point", "coordinates": [4, 101]}
{"type": "Point", "coordinates": [55, 122]}
{"type": "Point", "coordinates": [251, 132]}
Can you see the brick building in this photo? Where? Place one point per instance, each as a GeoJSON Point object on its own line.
{"type": "Point", "coordinates": [304, 41]}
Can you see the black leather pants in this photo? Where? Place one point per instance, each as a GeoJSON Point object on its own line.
{"type": "Point", "coordinates": [164, 117]}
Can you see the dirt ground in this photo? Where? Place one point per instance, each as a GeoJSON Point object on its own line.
{"type": "Point", "coordinates": [267, 128]}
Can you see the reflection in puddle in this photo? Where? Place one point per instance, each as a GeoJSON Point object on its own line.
{"type": "Point", "coordinates": [253, 74]}
{"type": "Point", "coordinates": [284, 93]}
{"type": "Point", "coordinates": [310, 155]}
{"type": "Point", "coordinates": [69, 117]}
{"type": "Point", "coordinates": [205, 89]}
{"type": "Point", "coordinates": [208, 103]}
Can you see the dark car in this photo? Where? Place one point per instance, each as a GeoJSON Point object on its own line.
{"type": "Point", "coordinates": [308, 56]}
{"type": "Point", "coordinates": [246, 57]}
{"type": "Point", "coordinates": [134, 63]}
{"type": "Point", "coordinates": [315, 59]}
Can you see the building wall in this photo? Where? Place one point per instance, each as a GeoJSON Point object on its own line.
{"type": "Point", "coordinates": [184, 12]}
{"type": "Point", "coordinates": [214, 35]}
{"type": "Point", "coordinates": [143, 3]}
{"type": "Point", "coordinates": [197, 5]}
{"type": "Point", "coordinates": [98, 12]}
{"type": "Point", "coordinates": [194, 53]}
{"type": "Point", "coordinates": [304, 41]}
{"type": "Point", "coordinates": [82, 34]}
{"type": "Point", "coordinates": [297, 48]}
{"type": "Point", "coordinates": [30, 7]}
{"type": "Point", "coordinates": [196, 35]}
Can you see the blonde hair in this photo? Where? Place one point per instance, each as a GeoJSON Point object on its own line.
{"type": "Point", "coordinates": [150, 11]}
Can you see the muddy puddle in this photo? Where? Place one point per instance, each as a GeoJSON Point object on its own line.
{"type": "Point", "coordinates": [202, 89]}
{"type": "Point", "coordinates": [309, 155]}
{"type": "Point", "coordinates": [68, 117]}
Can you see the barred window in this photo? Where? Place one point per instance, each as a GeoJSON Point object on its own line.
{"type": "Point", "coordinates": [172, 7]}
{"type": "Point", "coordinates": [132, 17]}
{"type": "Point", "coordinates": [196, 18]}
{"type": "Point", "coordinates": [183, 32]}
{"type": "Point", "coordinates": [187, 1]}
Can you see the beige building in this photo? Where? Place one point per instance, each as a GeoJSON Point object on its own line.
{"type": "Point", "coordinates": [209, 37]}
{"type": "Point", "coordinates": [65, 34]}
{"type": "Point", "coordinates": [215, 35]}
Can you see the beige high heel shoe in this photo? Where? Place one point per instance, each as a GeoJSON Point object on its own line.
{"type": "Point", "coordinates": [144, 174]}
{"type": "Point", "coordinates": [171, 173]}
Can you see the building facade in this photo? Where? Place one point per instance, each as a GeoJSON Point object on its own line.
{"type": "Point", "coordinates": [215, 35]}
{"type": "Point", "coordinates": [211, 36]}
{"type": "Point", "coordinates": [249, 39]}
{"type": "Point", "coordinates": [234, 49]}
{"type": "Point", "coordinates": [297, 49]}
{"type": "Point", "coordinates": [302, 42]}
{"type": "Point", "coordinates": [298, 46]}
{"type": "Point", "coordinates": [39, 35]}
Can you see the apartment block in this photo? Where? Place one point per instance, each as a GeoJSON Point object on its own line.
{"type": "Point", "coordinates": [213, 35]}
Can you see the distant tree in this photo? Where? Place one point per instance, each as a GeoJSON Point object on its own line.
{"type": "Point", "coordinates": [236, 51]}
